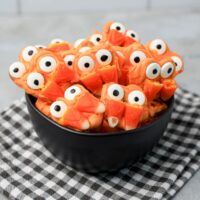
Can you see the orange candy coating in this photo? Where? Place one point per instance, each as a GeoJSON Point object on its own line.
{"type": "Point", "coordinates": [109, 81]}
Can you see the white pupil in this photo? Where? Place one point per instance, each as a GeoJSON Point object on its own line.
{"type": "Point", "coordinates": [58, 109]}
{"type": "Point", "coordinates": [35, 81]}
{"type": "Point", "coordinates": [137, 56]}
{"type": "Point", "coordinates": [118, 27]}
{"type": "Point", "coordinates": [17, 70]}
{"type": "Point", "coordinates": [72, 92]}
{"type": "Point", "coordinates": [178, 62]}
{"type": "Point", "coordinates": [116, 92]}
{"type": "Point", "coordinates": [28, 53]}
{"type": "Point", "coordinates": [167, 70]}
{"type": "Point", "coordinates": [136, 97]}
{"type": "Point", "coordinates": [86, 63]}
{"type": "Point", "coordinates": [47, 64]}
{"type": "Point", "coordinates": [159, 46]}
{"type": "Point", "coordinates": [153, 70]}
{"type": "Point", "coordinates": [104, 56]}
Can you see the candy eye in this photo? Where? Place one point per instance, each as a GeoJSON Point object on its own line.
{"type": "Point", "coordinates": [136, 97]}
{"type": "Point", "coordinates": [58, 109]}
{"type": "Point", "coordinates": [56, 41]}
{"type": "Point", "coordinates": [159, 46]}
{"type": "Point", "coordinates": [178, 62]}
{"type": "Point", "coordinates": [17, 70]}
{"type": "Point", "coordinates": [167, 70]}
{"type": "Point", "coordinates": [133, 34]}
{"type": "Point", "coordinates": [78, 42]}
{"type": "Point", "coordinates": [28, 53]}
{"type": "Point", "coordinates": [69, 59]}
{"type": "Point", "coordinates": [137, 56]}
{"type": "Point", "coordinates": [86, 63]}
{"type": "Point", "coordinates": [104, 56]}
{"type": "Point", "coordinates": [96, 38]}
{"type": "Point", "coordinates": [118, 27]}
{"type": "Point", "coordinates": [153, 71]}
{"type": "Point", "coordinates": [47, 64]}
{"type": "Point", "coordinates": [115, 91]}
{"type": "Point", "coordinates": [72, 92]}
{"type": "Point", "coordinates": [84, 49]}
{"type": "Point", "coordinates": [35, 81]}
{"type": "Point", "coordinates": [40, 46]}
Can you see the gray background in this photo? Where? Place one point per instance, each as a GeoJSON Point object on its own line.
{"type": "Point", "coordinates": [25, 22]}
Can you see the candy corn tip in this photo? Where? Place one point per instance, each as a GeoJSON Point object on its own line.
{"type": "Point", "coordinates": [101, 108]}
{"type": "Point", "coordinates": [113, 121]}
{"type": "Point", "coordinates": [85, 125]}
{"type": "Point", "coordinates": [127, 128]}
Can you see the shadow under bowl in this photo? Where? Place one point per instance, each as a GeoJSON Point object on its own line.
{"type": "Point", "coordinates": [97, 152]}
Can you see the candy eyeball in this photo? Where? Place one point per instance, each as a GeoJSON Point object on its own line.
{"type": "Point", "coordinates": [104, 56]}
{"type": "Point", "coordinates": [167, 70]}
{"type": "Point", "coordinates": [17, 69]}
{"type": "Point", "coordinates": [178, 62]}
{"type": "Point", "coordinates": [47, 64]}
{"type": "Point", "coordinates": [78, 42]}
{"type": "Point", "coordinates": [115, 91]}
{"type": "Point", "coordinates": [35, 80]}
{"type": "Point", "coordinates": [29, 52]}
{"type": "Point", "coordinates": [58, 109]}
{"type": "Point", "coordinates": [56, 41]}
{"type": "Point", "coordinates": [72, 92]}
{"type": "Point", "coordinates": [118, 27]}
{"type": "Point", "coordinates": [137, 56]}
{"type": "Point", "coordinates": [136, 97]}
{"type": "Point", "coordinates": [159, 46]}
{"type": "Point", "coordinates": [133, 34]}
{"type": "Point", "coordinates": [153, 71]}
{"type": "Point", "coordinates": [69, 59]}
{"type": "Point", "coordinates": [96, 39]}
{"type": "Point", "coordinates": [86, 64]}
{"type": "Point", "coordinates": [84, 49]}
{"type": "Point", "coordinates": [40, 46]}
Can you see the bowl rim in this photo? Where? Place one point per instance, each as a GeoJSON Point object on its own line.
{"type": "Point", "coordinates": [101, 134]}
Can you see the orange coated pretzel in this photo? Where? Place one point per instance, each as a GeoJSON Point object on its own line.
{"type": "Point", "coordinates": [135, 102]}
{"type": "Point", "coordinates": [118, 35]}
{"type": "Point", "coordinates": [133, 56]}
{"type": "Point", "coordinates": [147, 75]}
{"type": "Point", "coordinates": [160, 50]}
{"type": "Point", "coordinates": [97, 66]}
{"type": "Point", "coordinates": [58, 45]}
{"type": "Point", "coordinates": [168, 69]}
{"type": "Point", "coordinates": [83, 104]}
{"type": "Point", "coordinates": [45, 67]}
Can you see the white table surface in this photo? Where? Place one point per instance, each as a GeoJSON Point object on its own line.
{"type": "Point", "coordinates": [180, 29]}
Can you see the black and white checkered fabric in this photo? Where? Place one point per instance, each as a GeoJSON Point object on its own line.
{"type": "Point", "coordinates": [29, 171]}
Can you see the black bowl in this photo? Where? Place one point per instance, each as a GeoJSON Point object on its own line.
{"type": "Point", "coordinates": [97, 152]}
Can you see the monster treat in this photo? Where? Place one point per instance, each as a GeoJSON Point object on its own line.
{"type": "Point", "coordinates": [59, 45]}
{"type": "Point", "coordinates": [42, 77]}
{"type": "Point", "coordinates": [78, 103]}
{"type": "Point", "coordinates": [160, 50]}
{"type": "Point", "coordinates": [106, 82]}
{"type": "Point", "coordinates": [118, 35]}
{"type": "Point", "coordinates": [135, 102]}
{"type": "Point", "coordinates": [97, 66]}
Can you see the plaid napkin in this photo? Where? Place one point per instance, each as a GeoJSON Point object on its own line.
{"type": "Point", "coordinates": [29, 171]}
